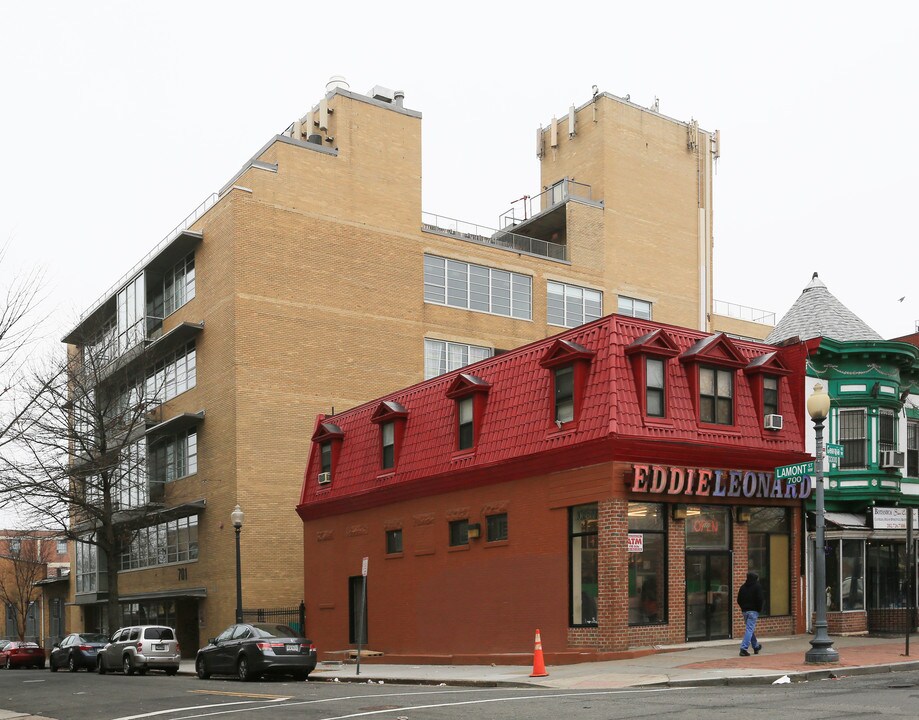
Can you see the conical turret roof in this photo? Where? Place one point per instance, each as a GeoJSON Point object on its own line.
{"type": "Point", "coordinates": [818, 313]}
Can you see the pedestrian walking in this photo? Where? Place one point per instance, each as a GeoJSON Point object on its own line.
{"type": "Point", "coordinates": [751, 598]}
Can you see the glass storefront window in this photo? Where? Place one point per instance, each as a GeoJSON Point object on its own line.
{"type": "Point", "coordinates": [708, 528]}
{"type": "Point", "coordinates": [769, 555]}
{"type": "Point", "coordinates": [887, 575]}
{"type": "Point", "coordinates": [582, 528]}
{"type": "Point", "coordinates": [647, 568]}
{"type": "Point", "coordinates": [852, 586]}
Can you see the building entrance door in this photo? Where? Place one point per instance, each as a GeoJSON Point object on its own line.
{"type": "Point", "coordinates": [708, 595]}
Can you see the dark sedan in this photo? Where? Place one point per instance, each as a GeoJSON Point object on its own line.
{"type": "Point", "coordinates": [77, 650]}
{"type": "Point", "coordinates": [22, 654]}
{"type": "Point", "coordinates": [250, 651]}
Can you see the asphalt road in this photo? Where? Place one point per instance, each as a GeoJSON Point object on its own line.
{"type": "Point", "coordinates": [87, 696]}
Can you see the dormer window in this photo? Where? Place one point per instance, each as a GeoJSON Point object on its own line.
{"type": "Point", "coordinates": [716, 396]}
{"type": "Point", "coordinates": [327, 439]}
{"type": "Point", "coordinates": [654, 387]}
{"type": "Point", "coordinates": [325, 457]}
{"type": "Point", "coordinates": [649, 356]}
{"type": "Point", "coordinates": [471, 394]}
{"type": "Point", "coordinates": [770, 395]}
{"type": "Point", "coordinates": [391, 417]}
{"type": "Point", "coordinates": [466, 423]}
{"type": "Point", "coordinates": [569, 364]}
{"type": "Point", "coordinates": [387, 430]}
{"type": "Point", "coordinates": [564, 394]}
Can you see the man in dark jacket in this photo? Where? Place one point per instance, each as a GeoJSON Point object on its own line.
{"type": "Point", "coordinates": [750, 597]}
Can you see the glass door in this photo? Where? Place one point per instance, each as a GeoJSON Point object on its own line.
{"type": "Point", "coordinates": [708, 595]}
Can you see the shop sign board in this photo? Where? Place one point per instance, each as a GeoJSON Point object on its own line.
{"type": "Point", "coordinates": [795, 473]}
{"type": "Point", "coordinates": [888, 518]}
{"type": "Point", "coordinates": [636, 542]}
{"type": "Point", "coordinates": [709, 482]}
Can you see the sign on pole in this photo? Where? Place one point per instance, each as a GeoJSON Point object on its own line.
{"type": "Point", "coordinates": [834, 451]}
{"type": "Point", "coordinates": [364, 564]}
{"type": "Point", "coordinates": [795, 473]}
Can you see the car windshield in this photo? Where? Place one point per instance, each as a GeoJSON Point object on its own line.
{"type": "Point", "coordinates": [155, 633]}
{"type": "Point", "coordinates": [94, 637]}
{"type": "Point", "coordinates": [271, 630]}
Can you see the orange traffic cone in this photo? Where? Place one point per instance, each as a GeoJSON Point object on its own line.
{"type": "Point", "coordinates": [539, 665]}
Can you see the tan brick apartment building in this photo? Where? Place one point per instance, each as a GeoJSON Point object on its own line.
{"type": "Point", "coordinates": [313, 280]}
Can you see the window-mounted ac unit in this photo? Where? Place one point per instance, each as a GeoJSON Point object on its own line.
{"type": "Point", "coordinates": [773, 422]}
{"type": "Point", "coordinates": [325, 478]}
{"type": "Point", "coordinates": [892, 459]}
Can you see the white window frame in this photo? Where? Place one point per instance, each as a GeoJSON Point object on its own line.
{"type": "Point", "coordinates": [459, 284]}
{"type": "Point", "coordinates": [626, 306]}
{"type": "Point", "coordinates": [572, 302]}
{"type": "Point", "coordinates": [442, 356]}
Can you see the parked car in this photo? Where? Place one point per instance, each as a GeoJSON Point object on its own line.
{"type": "Point", "coordinates": [249, 651]}
{"type": "Point", "coordinates": [140, 648]}
{"type": "Point", "coordinates": [77, 650]}
{"type": "Point", "coordinates": [17, 654]}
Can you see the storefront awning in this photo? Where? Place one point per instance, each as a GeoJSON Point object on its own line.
{"type": "Point", "coordinates": [846, 521]}
{"type": "Point", "coordinates": [197, 592]}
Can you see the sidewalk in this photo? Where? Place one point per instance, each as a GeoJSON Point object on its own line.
{"type": "Point", "coordinates": [708, 663]}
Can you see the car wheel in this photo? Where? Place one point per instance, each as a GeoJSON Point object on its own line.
{"type": "Point", "coordinates": [71, 663]}
{"type": "Point", "coordinates": [100, 666]}
{"type": "Point", "coordinates": [242, 669]}
{"type": "Point", "coordinates": [127, 665]}
{"type": "Point", "coordinates": [201, 669]}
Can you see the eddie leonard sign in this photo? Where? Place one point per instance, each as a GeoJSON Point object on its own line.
{"type": "Point", "coordinates": [707, 482]}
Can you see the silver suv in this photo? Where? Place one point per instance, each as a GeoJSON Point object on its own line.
{"type": "Point", "coordinates": [140, 648]}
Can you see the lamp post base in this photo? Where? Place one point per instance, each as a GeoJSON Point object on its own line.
{"type": "Point", "coordinates": [822, 650]}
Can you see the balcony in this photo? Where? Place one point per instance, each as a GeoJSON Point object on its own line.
{"type": "Point", "coordinates": [514, 242]}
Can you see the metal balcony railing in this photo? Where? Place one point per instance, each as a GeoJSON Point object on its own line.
{"type": "Point", "coordinates": [470, 232]}
{"type": "Point", "coordinates": [742, 312]}
{"type": "Point", "coordinates": [529, 205]}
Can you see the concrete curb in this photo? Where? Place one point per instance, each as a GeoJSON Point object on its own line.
{"type": "Point", "coordinates": [795, 677]}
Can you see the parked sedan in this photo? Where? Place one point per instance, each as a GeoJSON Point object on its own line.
{"type": "Point", "coordinates": [77, 650]}
{"type": "Point", "coordinates": [22, 654]}
{"type": "Point", "coordinates": [249, 651]}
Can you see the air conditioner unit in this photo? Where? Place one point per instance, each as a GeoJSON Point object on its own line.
{"type": "Point", "coordinates": [773, 422]}
{"type": "Point", "coordinates": [892, 459]}
{"type": "Point", "coordinates": [325, 478]}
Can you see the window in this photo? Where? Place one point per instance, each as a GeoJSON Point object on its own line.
{"type": "Point", "coordinates": [179, 285]}
{"type": "Point", "coordinates": [564, 394]}
{"type": "Point", "coordinates": [845, 575]}
{"type": "Point", "coordinates": [172, 375]}
{"type": "Point", "coordinates": [394, 541]}
{"type": "Point", "coordinates": [654, 387]}
{"type": "Point", "coordinates": [387, 431]}
{"type": "Point", "coordinates": [61, 547]}
{"type": "Point", "coordinates": [15, 547]}
{"type": "Point", "coordinates": [459, 532]}
{"type": "Point", "coordinates": [130, 315]}
{"type": "Point", "coordinates": [770, 395]}
{"type": "Point", "coordinates": [474, 287]}
{"type": "Point", "coordinates": [169, 542]}
{"type": "Point", "coordinates": [582, 527]}
{"type": "Point", "coordinates": [886, 438]}
{"type": "Point", "coordinates": [496, 527]}
{"type": "Point", "coordinates": [769, 555]}
{"type": "Point", "coordinates": [325, 457]}
{"type": "Point", "coordinates": [174, 456]}
{"type": "Point", "coordinates": [716, 396]}
{"type": "Point", "coordinates": [647, 566]}
{"type": "Point", "coordinates": [912, 448]}
{"type": "Point", "coordinates": [887, 574]}
{"type": "Point", "coordinates": [466, 425]}
{"type": "Point", "coordinates": [86, 567]}
{"type": "Point", "coordinates": [570, 305]}
{"type": "Point", "coordinates": [441, 356]}
{"type": "Point", "coordinates": [852, 438]}
{"type": "Point", "coordinates": [634, 308]}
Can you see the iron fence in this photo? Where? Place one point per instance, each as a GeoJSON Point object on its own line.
{"type": "Point", "coordinates": [294, 616]}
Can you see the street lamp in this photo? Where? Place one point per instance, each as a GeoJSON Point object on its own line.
{"type": "Point", "coordinates": [237, 518]}
{"type": "Point", "coordinates": [822, 651]}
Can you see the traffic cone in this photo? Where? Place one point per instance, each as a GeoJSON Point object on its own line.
{"type": "Point", "coordinates": [539, 665]}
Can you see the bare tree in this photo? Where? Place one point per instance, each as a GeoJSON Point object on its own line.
{"type": "Point", "coordinates": [82, 465]}
{"type": "Point", "coordinates": [24, 558]}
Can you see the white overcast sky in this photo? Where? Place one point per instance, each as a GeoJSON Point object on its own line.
{"type": "Point", "coordinates": [119, 118]}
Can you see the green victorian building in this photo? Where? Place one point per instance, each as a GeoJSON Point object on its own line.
{"type": "Point", "coordinates": [874, 416]}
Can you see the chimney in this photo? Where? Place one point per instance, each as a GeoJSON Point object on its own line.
{"type": "Point", "coordinates": [398, 98]}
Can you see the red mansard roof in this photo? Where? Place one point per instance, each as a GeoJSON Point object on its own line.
{"type": "Point", "coordinates": [518, 437]}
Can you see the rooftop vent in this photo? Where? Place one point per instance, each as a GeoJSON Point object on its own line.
{"type": "Point", "coordinates": [337, 81]}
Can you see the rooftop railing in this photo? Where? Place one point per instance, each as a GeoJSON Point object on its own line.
{"type": "Point", "coordinates": [742, 312]}
{"type": "Point", "coordinates": [501, 239]}
{"type": "Point", "coordinates": [529, 205]}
